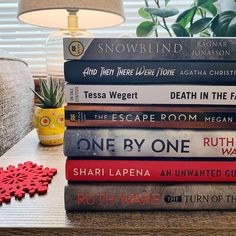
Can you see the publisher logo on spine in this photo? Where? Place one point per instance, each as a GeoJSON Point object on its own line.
{"type": "Point", "coordinates": [76, 48]}
{"type": "Point", "coordinates": [171, 199]}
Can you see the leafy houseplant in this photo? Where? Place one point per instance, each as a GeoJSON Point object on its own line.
{"type": "Point", "coordinates": [202, 18]}
{"type": "Point", "coordinates": [49, 114]}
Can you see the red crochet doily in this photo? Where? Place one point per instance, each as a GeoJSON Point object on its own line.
{"type": "Point", "coordinates": [25, 178]}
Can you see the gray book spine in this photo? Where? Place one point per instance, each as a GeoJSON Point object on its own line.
{"type": "Point", "coordinates": [116, 142]}
{"type": "Point", "coordinates": [150, 49]}
{"type": "Point", "coordinates": [140, 196]}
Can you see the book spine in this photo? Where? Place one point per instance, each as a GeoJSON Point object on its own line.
{"type": "Point", "coordinates": [130, 143]}
{"type": "Point", "coordinates": [151, 94]}
{"type": "Point", "coordinates": [149, 196]}
{"type": "Point", "coordinates": [150, 72]}
{"type": "Point", "coordinates": [151, 171]}
{"type": "Point", "coordinates": [150, 117]}
{"type": "Point", "coordinates": [150, 49]}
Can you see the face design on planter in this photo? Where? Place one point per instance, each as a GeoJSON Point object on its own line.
{"type": "Point", "coordinates": [50, 125]}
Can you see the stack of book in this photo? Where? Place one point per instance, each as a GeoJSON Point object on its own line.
{"type": "Point", "coordinates": [150, 124]}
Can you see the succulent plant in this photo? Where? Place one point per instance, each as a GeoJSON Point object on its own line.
{"type": "Point", "coordinates": [51, 94]}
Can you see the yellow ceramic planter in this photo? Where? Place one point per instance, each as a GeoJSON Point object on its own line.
{"type": "Point", "coordinates": [50, 125]}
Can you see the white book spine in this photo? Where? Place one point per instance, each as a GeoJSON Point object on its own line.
{"type": "Point", "coordinates": [151, 94]}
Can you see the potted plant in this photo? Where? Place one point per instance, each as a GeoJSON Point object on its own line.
{"type": "Point", "coordinates": [202, 18]}
{"type": "Point", "coordinates": [49, 114]}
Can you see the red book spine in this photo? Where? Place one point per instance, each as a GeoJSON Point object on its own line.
{"type": "Point", "coordinates": [151, 171]}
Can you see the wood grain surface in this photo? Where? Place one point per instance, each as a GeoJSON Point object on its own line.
{"type": "Point", "coordinates": [45, 215]}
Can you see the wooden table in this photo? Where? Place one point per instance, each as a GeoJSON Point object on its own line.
{"type": "Point", "coordinates": [45, 215]}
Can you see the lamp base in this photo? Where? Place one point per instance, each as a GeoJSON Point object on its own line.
{"type": "Point", "coordinates": [54, 50]}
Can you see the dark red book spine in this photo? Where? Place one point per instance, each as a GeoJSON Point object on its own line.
{"type": "Point", "coordinates": [151, 171]}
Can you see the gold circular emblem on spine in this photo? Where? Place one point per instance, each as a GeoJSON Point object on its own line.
{"type": "Point", "coordinates": [76, 48]}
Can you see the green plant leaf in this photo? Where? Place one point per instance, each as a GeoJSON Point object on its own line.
{"type": "Point", "coordinates": [199, 12]}
{"type": "Point", "coordinates": [167, 1]}
{"type": "Point", "coordinates": [186, 16]}
{"type": "Point", "coordinates": [224, 24]}
{"type": "Point", "coordinates": [232, 28]}
{"type": "Point", "coordinates": [179, 30]}
{"type": "Point", "coordinates": [210, 8]}
{"type": "Point", "coordinates": [162, 12]}
{"type": "Point", "coordinates": [205, 33]}
{"type": "Point", "coordinates": [44, 88]}
{"type": "Point", "coordinates": [145, 29]}
{"type": "Point", "coordinates": [200, 25]}
{"type": "Point", "coordinates": [38, 96]}
{"type": "Point", "coordinates": [51, 86]}
{"type": "Point", "coordinates": [55, 92]}
{"type": "Point", "coordinates": [61, 100]}
{"type": "Point", "coordinates": [52, 98]}
{"type": "Point", "coordinates": [144, 14]}
{"type": "Point", "coordinates": [201, 2]}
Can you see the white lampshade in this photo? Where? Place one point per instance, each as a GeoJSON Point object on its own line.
{"type": "Point", "coordinates": [91, 14]}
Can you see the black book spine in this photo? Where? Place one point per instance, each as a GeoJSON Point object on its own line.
{"type": "Point", "coordinates": [150, 72]}
{"type": "Point", "coordinates": [150, 117]}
